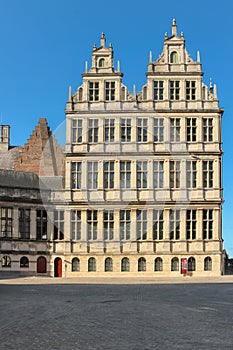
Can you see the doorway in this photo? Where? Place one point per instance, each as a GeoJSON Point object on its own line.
{"type": "Point", "coordinates": [41, 264]}
{"type": "Point", "coordinates": [58, 267]}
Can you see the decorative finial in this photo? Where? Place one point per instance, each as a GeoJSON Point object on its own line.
{"type": "Point", "coordinates": [215, 91]}
{"type": "Point", "coordinates": [165, 35]}
{"type": "Point", "coordinates": [70, 94]}
{"type": "Point", "coordinates": [198, 57]}
{"type": "Point", "coordinates": [150, 58]}
{"type": "Point", "coordinates": [94, 46]}
{"type": "Point", "coordinates": [182, 34]}
{"type": "Point", "coordinates": [86, 66]}
{"type": "Point", "coordinates": [110, 45]}
{"type": "Point", "coordinates": [134, 90]}
{"type": "Point", "coordinates": [102, 40]}
{"type": "Point", "coordinates": [118, 66]}
{"type": "Point", "coordinates": [211, 85]}
{"type": "Point", "coordinates": [174, 27]}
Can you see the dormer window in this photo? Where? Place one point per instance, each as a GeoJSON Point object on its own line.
{"type": "Point", "coordinates": [174, 58]}
{"type": "Point", "coordinates": [110, 90]}
{"type": "Point", "coordinates": [101, 63]}
{"type": "Point", "coordinates": [93, 91]}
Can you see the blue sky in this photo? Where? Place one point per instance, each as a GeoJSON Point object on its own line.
{"type": "Point", "coordinates": [44, 45]}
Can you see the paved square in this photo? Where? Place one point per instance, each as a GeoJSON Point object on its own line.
{"type": "Point", "coordinates": [113, 317]}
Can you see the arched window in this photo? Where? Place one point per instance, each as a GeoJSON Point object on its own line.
{"type": "Point", "coordinates": [108, 265]}
{"type": "Point", "coordinates": [208, 264]}
{"type": "Point", "coordinates": [174, 58]}
{"type": "Point", "coordinates": [24, 262]}
{"type": "Point", "coordinates": [141, 264]}
{"type": "Point", "coordinates": [91, 265]}
{"type": "Point", "coordinates": [158, 264]}
{"type": "Point", "coordinates": [175, 264]}
{"type": "Point", "coordinates": [191, 264]}
{"type": "Point", "coordinates": [101, 63]}
{"type": "Point", "coordinates": [75, 264]}
{"type": "Point", "coordinates": [125, 265]}
{"type": "Point", "coordinates": [6, 261]}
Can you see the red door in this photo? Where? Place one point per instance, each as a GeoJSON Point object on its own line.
{"type": "Point", "coordinates": [58, 267]}
{"type": "Point", "coordinates": [41, 265]}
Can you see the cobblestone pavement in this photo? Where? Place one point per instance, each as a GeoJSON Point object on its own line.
{"type": "Point", "coordinates": [116, 317]}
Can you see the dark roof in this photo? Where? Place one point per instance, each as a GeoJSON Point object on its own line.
{"type": "Point", "coordinates": [18, 179]}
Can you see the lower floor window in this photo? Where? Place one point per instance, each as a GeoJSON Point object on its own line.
{"type": "Point", "coordinates": [158, 264]}
{"type": "Point", "coordinates": [6, 261]}
{"type": "Point", "coordinates": [191, 264]}
{"type": "Point", "coordinates": [24, 262]}
{"type": "Point", "coordinates": [208, 264]}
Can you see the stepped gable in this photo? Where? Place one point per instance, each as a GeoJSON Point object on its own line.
{"type": "Point", "coordinates": [41, 155]}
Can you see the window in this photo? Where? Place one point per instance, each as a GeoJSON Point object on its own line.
{"type": "Point", "coordinates": [191, 174]}
{"type": "Point", "coordinates": [108, 265]}
{"type": "Point", "coordinates": [77, 130]}
{"type": "Point", "coordinates": [141, 224]}
{"type": "Point", "coordinates": [174, 58]}
{"type": "Point", "coordinates": [6, 222]}
{"type": "Point", "coordinates": [142, 174]}
{"type": "Point", "coordinates": [24, 262]}
{"type": "Point", "coordinates": [208, 173]}
{"type": "Point", "coordinates": [110, 90]}
{"type": "Point", "coordinates": [125, 174]}
{"type": "Point", "coordinates": [175, 174]}
{"type": "Point", "coordinates": [92, 224]}
{"type": "Point", "coordinates": [76, 175]}
{"type": "Point", "coordinates": [125, 221]}
{"type": "Point", "coordinates": [58, 227]}
{"type": "Point", "coordinates": [108, 225]}
{"type": "Point", "coordinates": [141, 264]}
{"type": "Point", "coordinates": [158, 264]}
{"type": "Point", "coordinates": [125, 265]}
{"type": "Point", "coordinates": [190, 90]}
{"type": "Point", "coordinates": [174, 224]}
{"type": "Point", "coordinates": [158, 174]}
{"type": "Point", "coordinates": [92, 175]}
{"type": "Point", "coordinates": [75, 265]}
{"type": "Point", "coordinates": [174, 90]}
{"type": "Point", "coordinates": [76, 224]}
{"type": "Point", "coordinates": [175, 129]}
{"type": "Point", "coordinates": [158, 90]}
{"type": "Point", "coordinates": [208, 264]}
{"type": "Point", "coordinates": [175, 264]}
{"type": "Point", "coordinates": [126, 130]}
{"type": "Point", "coordinates": [109, 130]}
{"type": "Point", "coordinates": [41, 224]}
{"type": "Point", "coordinates": [191, 224]}
{"type": "Point", "coordinates": [157, 224]}
{"type": "Point", "coordinates": [101, 63]}
{"type": "Point", "coordinates": [191, 264]}
{"type": "Point", "coordinates": [207, 224]}
{"type": "Point", "coordinates": [158, 129]}
{"type": "Point", "coordinates": [142, 129]}
{"type": "Point", "coordinates": [6, 261]}
{"type": "Point", "coordinates": [93, 91]}
{"type": "Point", "coordinates": [207, 129]}
{"type": "Point", "coordinates": [108, 174]}
{"type": "Point", "coordinates": [24, 223]}
{"type": "Point", "coordinates": [191, 128]}
{"type": "Point", "coordinates": [93, 130]}
{"type": "Point", "coordinates": [91, 265]}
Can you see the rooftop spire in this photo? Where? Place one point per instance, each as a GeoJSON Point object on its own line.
{"type": "Point", "coordinates": [174, 27]}
{"type": "Point", "coordinates": [102, 40]}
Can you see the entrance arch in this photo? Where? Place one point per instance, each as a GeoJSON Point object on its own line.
{"type": "Point", "coordinates": [41, 264]}
{"type": "Point", "coordinates": [58, 267]}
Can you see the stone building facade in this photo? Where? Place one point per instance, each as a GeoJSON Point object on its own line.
{"type": "Point", "coordinates": [143, 182]}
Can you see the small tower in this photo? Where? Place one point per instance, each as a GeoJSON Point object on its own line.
{"type": "Point", "coordinates": [4, 137]}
